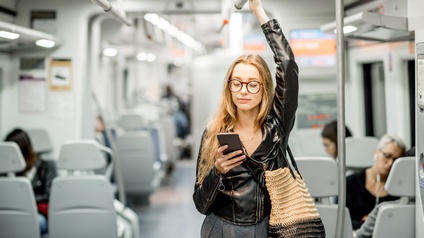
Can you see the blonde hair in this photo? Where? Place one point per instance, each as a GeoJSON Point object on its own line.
{"type": "Point", "coordinates": [226, 116]}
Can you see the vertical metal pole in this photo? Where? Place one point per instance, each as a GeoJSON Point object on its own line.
{"type": "Point", "coordinates": [340, 118]}
{"type": "Point", "coordinates": [94, 68]}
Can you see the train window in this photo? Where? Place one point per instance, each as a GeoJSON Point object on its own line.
{"type": "Point", "coordinates": [316, 110]}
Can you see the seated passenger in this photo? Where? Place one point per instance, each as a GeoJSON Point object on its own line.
{"type": "Point", "coordinates": [365, 189]}
{"type": "Point", "coordinates": [329, 138]}
{"type": "Point", "coordinates": [367, 228]}
{"type": "Point", "coordinates": [40, 172]}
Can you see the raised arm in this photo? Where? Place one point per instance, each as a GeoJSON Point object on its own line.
{"type": "Point", "coordinates": [287, 84]}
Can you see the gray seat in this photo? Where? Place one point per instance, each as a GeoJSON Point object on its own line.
{"type": "Point", "coordinates": [168, 125]}
{"type": "Point", "coordinates": [359, 152]}
{"type": "Point", "coordinates": [142, 175]}
{"type": "Point", "coordinates": [40, 140]}
{"type": "Point", "coordinates": [320, 175]}
{"type": "Point", "coordinates": [18, 211]}
{"type": "Point", "coordinates": [81, 205]}
{"type": "Point", "coordinates": [398, 219]}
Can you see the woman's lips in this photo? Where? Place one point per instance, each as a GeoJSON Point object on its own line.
{"type": "Point", "coordinates": [243, 100]}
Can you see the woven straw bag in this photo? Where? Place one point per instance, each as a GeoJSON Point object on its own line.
{"type": "Point", "coordinates": [293, 212]}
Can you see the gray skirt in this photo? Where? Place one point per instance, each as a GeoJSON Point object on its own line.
{"type": "Point", "coordinates": [215, 227]}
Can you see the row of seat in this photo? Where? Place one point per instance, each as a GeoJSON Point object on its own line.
{"type": "Point", "coordinates": [393, 220]}
{"type": "Point", "coordinates": [145, 151]}
{"type": "Point", "coordinates": [359, 150]}
{"type": "Point", "coordinates": [82, 203]}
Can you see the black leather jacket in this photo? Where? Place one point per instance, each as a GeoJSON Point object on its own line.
{"type": "Point", "coordinates": [241, 200]}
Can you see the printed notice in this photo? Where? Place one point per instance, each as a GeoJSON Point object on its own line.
{"type": "Point", "coordinates": [61, 106]}
{"type": "Point", "coordinates": [32, 85]}
{"type": "Point", "coordinates": [60, 75]}
{"type": "Point", "coordinates": [32, 93]}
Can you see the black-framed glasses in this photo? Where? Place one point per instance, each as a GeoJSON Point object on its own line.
{"type": "Point", "coordinates": [235, 85]}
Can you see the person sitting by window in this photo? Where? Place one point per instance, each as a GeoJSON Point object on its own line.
{"type": "Point", "coordinates": [40, 172]}
{"type": "Point", "coordinates": [367, 228]}
{"type": "Point", "coordinates": [365, 189]}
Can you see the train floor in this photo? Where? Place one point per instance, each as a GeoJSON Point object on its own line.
{"type": "Point", "coordinates": [171, 211]}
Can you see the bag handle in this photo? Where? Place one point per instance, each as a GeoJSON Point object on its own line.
{"type": "Point", "coordinates": [265, 190]}
{"type": "Point", "coordinates": [258, 182]}
{"type": "Point", "coordinates": [292, 160]}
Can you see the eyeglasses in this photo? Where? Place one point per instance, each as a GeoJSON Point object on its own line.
{"type": "Point", "coordinates": [236, 85]}
{"type": "Point", "coordinates": [387, 155]}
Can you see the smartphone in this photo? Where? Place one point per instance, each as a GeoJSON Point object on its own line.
{"type": "Point", "coordinates": [232, 140]}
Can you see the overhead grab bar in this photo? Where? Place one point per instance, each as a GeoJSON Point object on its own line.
{"type": "Point", "coordinates": [107, 7]}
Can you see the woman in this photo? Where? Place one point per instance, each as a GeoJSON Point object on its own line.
{"type": "Point", "coordinates": [364, 190]}
{"type": "Point", "coordinates": [225, 191]}
{"type": "Point", "coordinates": [39, 171]}
{"type": "Point", "coordinates": [329, 138]}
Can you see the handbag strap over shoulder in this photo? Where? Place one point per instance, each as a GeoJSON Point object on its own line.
{"type": "Point", "coordinates": [265, 190]}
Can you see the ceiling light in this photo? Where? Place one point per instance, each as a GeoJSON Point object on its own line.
{"type": "Point", "coordinates": [172, 30]}
{"type": "Point", "coordinates": [347, 29]}
{"type": "Point", "coordinates": [152, 18]}
{"type": "Point", "coordinates": [45, 43]}
{"type": "Point", "coordinates": [163, 24]}
{"type": "Point", "coordinates": [9, 35]}
{"type": "Point", "coordinates": [178, 62]}
{"type": "Point", "coordinates": [110, 52]}
{"type": "Point", "coordinates": [142, 56]}
{"type": "Point", "coordinates": [151, 57]}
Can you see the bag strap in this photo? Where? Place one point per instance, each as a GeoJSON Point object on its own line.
{"type": "Point", "coordinates": [258, 181]}
{"type": "Point", "coordinates": [265, 190]}
{"type": "Point", "coordinates": [283, 153]}
{"type": "Point", "coordinates": [293, 161]}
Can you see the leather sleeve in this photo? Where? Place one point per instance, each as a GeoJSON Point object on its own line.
{"type": "Point", "coordinates": [287, 84]}
{"type": "Point", "coordinates": [205, 193]}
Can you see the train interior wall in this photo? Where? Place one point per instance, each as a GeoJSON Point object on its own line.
{"type": "Point", "coordinates": [119, 84]}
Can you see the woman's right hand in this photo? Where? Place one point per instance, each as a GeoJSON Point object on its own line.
{"type": "Point", "coordinates": [254, 4]}
{"type": "Point", "coordinates": [256, 7]}
{"type": "Point", "coordinates": [225, 163]}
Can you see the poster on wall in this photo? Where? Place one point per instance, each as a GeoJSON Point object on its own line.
{"type": "Point", "coordinates": [32, 85]}
{"type": "Point", "coordinates": [61, 98]}
{"type": "Point", "coordinates": [60, 75]}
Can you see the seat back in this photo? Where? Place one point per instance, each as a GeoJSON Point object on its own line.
{"type": "Point", "coordinates": [321, 178]}
{"type": "Point", "coordinates": [168, 124]}
{"type": "Point", "coordinates": [138, 165]}
{"type": "Point", "coordinates": [398, 219]}
{"type": "Point", "coordinates": [132, 121]}
{"type": "Point", "coordinates": [81, 205]}
{"type": "Point", "coordinates": [359, 151]}
{"type": "Point", "coordinates": [18, 212]}
{"type": "Point", "coordinates": [40, 140]}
